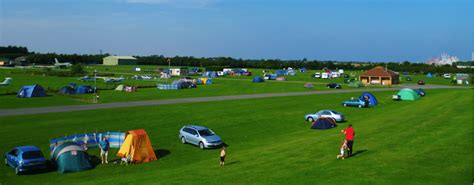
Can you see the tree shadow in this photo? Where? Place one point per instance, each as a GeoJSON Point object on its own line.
{"type": "Point", "coordinates": [162, 153]}
{"type": "Point", "coordinates": [358, 152]}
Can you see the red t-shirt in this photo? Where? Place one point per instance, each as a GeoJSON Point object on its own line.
{"type": "Point", "coordinates": [349, 133]}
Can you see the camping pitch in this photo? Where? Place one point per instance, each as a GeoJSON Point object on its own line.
{"type": "Point", "coordinates": [137, 145]}
{"type": "Point", "coordinates": [258, 79]}
{"type": "Point", "coordinates": [70, 157]}
{"type": "Point", "coordinates": [31, 91]}
{"type": "Point", "coordinates": [408, 94]}
{"type": "Point", "coordinates": [372, 100]}
{"type": "Point", "coordinates": [324, 123]}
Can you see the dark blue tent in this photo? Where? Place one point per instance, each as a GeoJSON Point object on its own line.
{"type": "Point", "coordinates": [209, 74]}
{"type": "Point", "coordinates": [67, 90]}
{"type": "Point", "coordinates": [281, 72]}
{"type": "Point", "coordinates": [324, 123]}
{"type": "Point", "coordinates": [258, 79]}
{"type": "Point", "coordinates": [372, 100]}
{"type": "Point", "coordinates": [303, 69]}
{"type": "Point", "coordinates": [195, 70]}
{"type": "Point", "coordinates": [84, 89]}
{"type": "Point", "coordinates": [31, 91]}
{"type": "Point", "coordinates": [405, 73]}
{"type": "Point", "coordinates": [420, 92]}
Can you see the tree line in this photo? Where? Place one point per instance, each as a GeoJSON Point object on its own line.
{"type": "Point", "coordinates": [48, 58]}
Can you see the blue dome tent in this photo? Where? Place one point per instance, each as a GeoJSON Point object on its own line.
{"type": "Point", "coordinates": [372, 100]}
{"type": "Point", "coordinates": [67, 90]}
{"type": "Point", "coordinates": [324, 123]}
{"type": "Point", "coordinates": [84, 89]}
{"type": "Point", "coordinates": [31, 91]}
{"type": "Point", "coordinates": [258, 79]}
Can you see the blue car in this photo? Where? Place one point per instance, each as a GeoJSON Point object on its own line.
{"type": "Point", "coordinates": [25, 158]}
{"type": "Point", "coordinates": [354, 103]}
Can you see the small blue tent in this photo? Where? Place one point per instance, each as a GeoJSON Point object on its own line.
{"type": "Point", "coordinates": [67, 90]}
{"type": "Point", "coordinates": [372, 100]}
{"type": "Point", "coordinates": [209, 74]}
{"type": "Point", "coordinates": [84, 89]}
{"type": "Point", "coordinates": [324, 123]}
{"type": "Point", "coordinates": [281, 72]}
{"type": "Point", "coordinates": [31, 91]}
{"type": "Point", "coordinates": [303, 69]}
{"type": "Point", "coordinates": [271, 76]}
{"type": "Point", "coordinates": [429, 75]}
{"type": "Point", "coordinates": [258, 79]}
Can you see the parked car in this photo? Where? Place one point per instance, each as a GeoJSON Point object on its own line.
{"type": "Point", "coordinates": [200, 136]}
{"type": "Point", "coordinates": [317, 75]}
{"type": "Point", "coordinates": [354, 103]}
{"type": "Point", "coordinates": [421, 82]}
{"type": "Point", "coordinates": [25, 158]}
{"type": "Point", "coordinates": [333, 85]}
{"type": "Point", "coordinates": [447, 76]}
{"type": "Point", "coordinates": [324, 113]}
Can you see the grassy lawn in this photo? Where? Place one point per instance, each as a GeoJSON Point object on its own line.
{"type": "Point", "coordinates": [428, 141]}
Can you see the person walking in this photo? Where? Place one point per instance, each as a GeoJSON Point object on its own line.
{"type": "Point", "coordinates": [349, 136]}
{"type": "Point", "coordinates": [104, 150]}
{"type": "Point", "coordinates": [222, 156]}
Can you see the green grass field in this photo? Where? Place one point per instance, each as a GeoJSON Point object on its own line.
{"type": "Point", "coordinates": [428, 141]}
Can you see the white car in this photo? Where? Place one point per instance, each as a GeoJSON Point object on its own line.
{"type": "Point", "coordinates": [317, 75]}
{"type": "Point", "coordinates": [447, 75]}
{"type": "Point", "coordinates": [324, 113]}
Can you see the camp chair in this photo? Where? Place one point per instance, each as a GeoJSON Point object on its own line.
{"type": "Point", "coordinates": [6, 82]}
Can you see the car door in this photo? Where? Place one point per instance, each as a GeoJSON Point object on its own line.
{"type": "Point", "coordinates": [193, 137]}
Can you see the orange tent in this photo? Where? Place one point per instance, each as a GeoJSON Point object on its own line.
{"type": "Point", "coordinates": [138, 146]}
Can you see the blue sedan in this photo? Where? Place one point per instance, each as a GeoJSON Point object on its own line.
{"type": "Point", "coordinates": [25, 158]}
{"type": "Point", "coordinates": [354, 103]}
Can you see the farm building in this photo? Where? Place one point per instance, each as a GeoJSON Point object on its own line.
{"type": "Point", "coordinates": [119, 60]}
{"type": "Point", "coordinates": [379, 76]}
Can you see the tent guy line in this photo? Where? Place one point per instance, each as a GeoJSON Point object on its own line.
{"type": "Point", "coordinates": [70, 108]}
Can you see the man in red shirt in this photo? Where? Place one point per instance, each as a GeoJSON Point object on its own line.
{"type": "Point", "coordinates": [349, 133]}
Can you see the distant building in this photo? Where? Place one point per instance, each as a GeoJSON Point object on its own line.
{"type": "Point", "coordinates": [119, 60]}
{"type": "Point", "coordinates": [379, 76]}
{"type": "Point", "coordinates": [179, 71]}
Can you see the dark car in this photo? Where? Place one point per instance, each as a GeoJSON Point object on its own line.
{"type": "Point", "coordinates": [25, 158]}
{"type": "Point", "coordinates": [421, 82]}
{"type": "Point", "coordinates": [333, 85]}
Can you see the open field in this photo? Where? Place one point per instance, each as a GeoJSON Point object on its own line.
{"type": "Point", "coordinates": [410, 142]}
{"type": "Point", "coordinates": [228, 85]}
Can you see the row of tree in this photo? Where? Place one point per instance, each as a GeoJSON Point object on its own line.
{"type": "Point", "coordinates": [48, 58]}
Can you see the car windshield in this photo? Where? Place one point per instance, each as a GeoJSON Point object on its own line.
{"type": "Point", "coordinates": [32, 155]}
{"type": "Point", "coordinates": [334, 112]}
{"type": "Point", "coordinates": [205, 132]}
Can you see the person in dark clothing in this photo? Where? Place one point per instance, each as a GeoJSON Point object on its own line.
{"type": "Point", "coordinates": [349, 136]}
{"type": "Point", "coordinates": [366, 101]}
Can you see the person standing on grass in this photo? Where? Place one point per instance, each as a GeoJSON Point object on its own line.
{"type": "Point", "coordinates": [349, 136]}
{"type": "Point", "coordinates": [104, 150]}
{"type": "Point", "coordinates": [222, 156]}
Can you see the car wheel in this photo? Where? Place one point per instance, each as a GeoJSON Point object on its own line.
{"type": "Point", "coordinates": [201, 145]}
{"type": "Point", "coordinates": [345, 105]}
{"type": "Point", "coordinates": [183, 140]}
{"type": "Point", "coordinates": [310, 119]}
{"type": "Point", "coordinates": [17, 171]}
{"type": "Point", "coordinates": [360, 106]}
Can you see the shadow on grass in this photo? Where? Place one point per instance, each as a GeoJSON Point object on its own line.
{"type": "Point", "coordinates": [162, 153]}
{"type": "Point", "coordinates": [358, 152]}
{"type": "Point", "coordinates": [231, 163]}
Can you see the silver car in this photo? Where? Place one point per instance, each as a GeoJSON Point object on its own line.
{"type": "Point", "coordinates": [324, 113]}
{"type": "Point", "coordinates": [199, 135]}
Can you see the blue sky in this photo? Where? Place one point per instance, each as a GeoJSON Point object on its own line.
{"type": "Point", "coordinates": [345, 30]}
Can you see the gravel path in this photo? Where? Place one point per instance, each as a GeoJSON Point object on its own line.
{"type": "Point", "coordinates": [69, 108]}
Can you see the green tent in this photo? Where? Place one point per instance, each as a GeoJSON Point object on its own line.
{"type": "Point", "coordinates": [70, 157]}
{"type": "Point", "coordinates": [408, 94]}
{"type": "Point", "coordinates": [355, 84]}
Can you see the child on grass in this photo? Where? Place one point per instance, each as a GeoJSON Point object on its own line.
{"type": "Point", "coordinates": [344, 149]}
